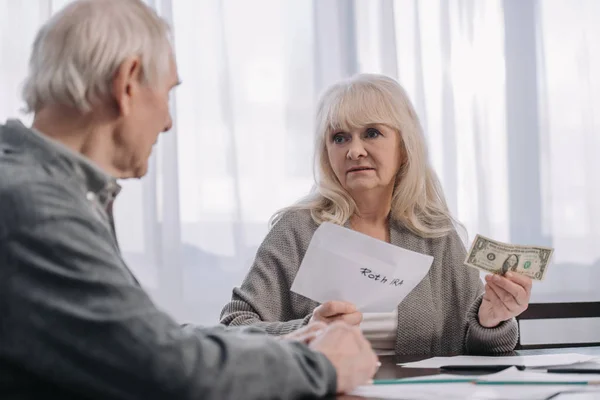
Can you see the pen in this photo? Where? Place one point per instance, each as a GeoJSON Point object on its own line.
{"type": "Point", "coordinates": [536, 383]}
{"type": "Point", "coordinates": [486, 368]}
{"type": "Point", "coordinates": [406, 381]}
{"type": "Point", "coordinates": [567, 370]}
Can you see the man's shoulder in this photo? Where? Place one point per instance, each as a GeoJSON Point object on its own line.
{"type": "Point", "coordinates": [30, 195]}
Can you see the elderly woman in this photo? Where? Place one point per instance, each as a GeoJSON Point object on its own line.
{"type": "Point", "coordinates": [374, 177]}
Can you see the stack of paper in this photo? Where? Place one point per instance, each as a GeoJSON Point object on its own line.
{"type": "Point", "coordinates": [508, 384]}
{"type": "Point", "coordinates": [537, 361]}
{"type": "Point", "coordinates": [513, 376]}
{"type": "Point", "coordinates": [469, 391]}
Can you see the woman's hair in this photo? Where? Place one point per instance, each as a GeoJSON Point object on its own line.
{"type": "Point", "coordinates": [417, 200]}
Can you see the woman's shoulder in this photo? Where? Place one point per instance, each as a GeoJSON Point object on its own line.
{"type": "Point", "coordinates": [293, 215]}
{"type": "Point", "coordinates": [296, 223]}
{"type": "Point", "coordinates": [453, 240]}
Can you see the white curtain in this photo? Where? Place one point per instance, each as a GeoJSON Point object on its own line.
{"type": "Point", "coordinates": [508, 93]}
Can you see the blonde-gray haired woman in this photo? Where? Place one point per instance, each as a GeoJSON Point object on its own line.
{"type": "Point", "coordinates": [374, 177]}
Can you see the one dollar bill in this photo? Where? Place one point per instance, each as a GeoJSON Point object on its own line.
{"type": "Point", "coordinates": [499, 258]}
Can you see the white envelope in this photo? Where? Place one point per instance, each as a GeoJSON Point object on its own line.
{"type": "Point", "coordinates": [342, 264]}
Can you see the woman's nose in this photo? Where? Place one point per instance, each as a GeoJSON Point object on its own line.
{"type": "Point", "coordinates": [356, 150]}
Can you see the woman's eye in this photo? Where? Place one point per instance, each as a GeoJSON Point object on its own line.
{"type": "Point", "coordinates": [338, 138]}
{"type": "Point", "coordinates": [372, 133]}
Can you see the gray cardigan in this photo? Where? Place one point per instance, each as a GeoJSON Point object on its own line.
{"type": "Point", "coordinates": [74, 322]}
{"type": "Point", "coordinates": [438, 317]}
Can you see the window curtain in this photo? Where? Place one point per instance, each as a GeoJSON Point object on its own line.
{"type": "Point", "coordinates": [507, 92]}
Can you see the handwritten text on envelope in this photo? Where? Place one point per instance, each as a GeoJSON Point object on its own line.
{"type": "Point", "coordinates": [342, 264]}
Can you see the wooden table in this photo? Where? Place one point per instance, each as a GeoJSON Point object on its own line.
{"type": "Point", "coordinates": [390, 370]}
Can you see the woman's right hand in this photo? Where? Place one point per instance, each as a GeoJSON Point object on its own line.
{"type": "Point", "coordinates": [332, 311]}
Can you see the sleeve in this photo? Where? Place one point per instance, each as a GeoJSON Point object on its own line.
{"type": "Point", "coordinates": [480, 340]}
{"type": "Point", "coordinates": [264, 299]}
{"type": "Point", "coordinates": [468, 289]}
{"type": "Point", "coordinates": [72, 314]}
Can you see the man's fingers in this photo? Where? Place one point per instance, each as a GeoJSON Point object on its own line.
{"type": "Point", "coordinates": [306, 333]}
{"type": "Point", "coordinates": [313, 327]}
{"type": "Point", "coordinates": [362, 342]}
{"type": "Point", "coordinates": [307, 337]}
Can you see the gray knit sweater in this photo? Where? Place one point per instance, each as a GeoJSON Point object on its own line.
{"type": "Point", "coordinates": [438, 317]}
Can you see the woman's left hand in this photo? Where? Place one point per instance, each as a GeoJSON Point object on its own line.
{"type": "Point", "coordinates": [505, 297]}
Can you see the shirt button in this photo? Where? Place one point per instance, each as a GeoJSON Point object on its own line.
{"type": "Point", "coordinates": [91, 196]}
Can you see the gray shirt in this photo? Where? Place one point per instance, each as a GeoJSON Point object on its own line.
{"type": "Point", "coordinates": [439, 316]}
{"type": "Point", "coordinates": [74, 323]}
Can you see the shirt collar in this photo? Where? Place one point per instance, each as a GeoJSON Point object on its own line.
{"type": "Point", "coordinates": [94, 179]}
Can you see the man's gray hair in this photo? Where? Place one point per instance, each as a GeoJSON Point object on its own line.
{"type": "Point", "coordinates": [77, 52]}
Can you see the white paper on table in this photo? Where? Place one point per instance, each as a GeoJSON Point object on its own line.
{"type": "Point", "coordinates": [461, 390]}
{"type": "Point", "coordinates": [417, 391]}
{"type": "Point", "coordinates": [342, 264]}
{"type": "Point", "coordinates": [535, 361]}
{"type": "Point", "coordinates": [451, 391]}
{"type": "Point", "coordinates": [514, 375]}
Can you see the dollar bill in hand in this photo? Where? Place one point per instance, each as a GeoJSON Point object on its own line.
{"type": "Point", "coordinates": [499, 258]}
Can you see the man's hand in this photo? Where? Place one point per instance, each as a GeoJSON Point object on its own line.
{"type": "Point", "coordinates": [332, 311]}
{"type": "Point", "coordinates": [306, 334]}
{"type": "Point", "coordinates": [349, 352]}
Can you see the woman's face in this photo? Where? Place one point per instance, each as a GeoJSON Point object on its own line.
{"type": "Point", "coordinates": [365, 159]}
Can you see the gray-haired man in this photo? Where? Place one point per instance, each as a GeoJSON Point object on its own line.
{"type": "Point", "coordinates": [74, 322]}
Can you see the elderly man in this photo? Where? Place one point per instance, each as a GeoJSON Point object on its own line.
{"type": "Point", "coordinates": [74, 323]}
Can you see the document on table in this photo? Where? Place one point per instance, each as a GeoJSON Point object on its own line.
{"type": "Point", "coordinates": [543, 360]}
{"type": "Point", "coordinates": [417, 391]}
{"type": "Point", "coordinates": [463, 391]}
{"type": "Point", "coordinates": [342, 264]}
{"type": "Point", "coordinates": [514, 376]}
{"type": "Point", "coordinates": [506, 385]}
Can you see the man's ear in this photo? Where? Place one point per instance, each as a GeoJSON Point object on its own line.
{"type": "Point", "coordinates": [126, 83]}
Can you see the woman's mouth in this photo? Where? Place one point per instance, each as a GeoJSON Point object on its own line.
{"type": "Point", "coordinates": [360, 169]}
